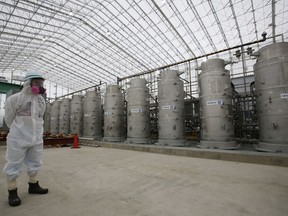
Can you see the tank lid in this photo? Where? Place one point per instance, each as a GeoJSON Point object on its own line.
{"type": "Point", "coordinates": [212, 64]}
{"type": "Point", "coordinates": [113, 88]}
{"type": "Point", "coordinates": [273, 50]}
{"type": "Point", "coordinates": [138, 82]}
{"type": "Point", "coordinates": [170, 74]}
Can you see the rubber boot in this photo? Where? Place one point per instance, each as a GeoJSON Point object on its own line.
{"type": "Point", "coordinates": [13, 198]}
{"type": "Point", "coordinates": [34, 188]}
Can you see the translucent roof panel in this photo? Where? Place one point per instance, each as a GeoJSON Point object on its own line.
{"type": "Point", "coordinates": [80, 43]}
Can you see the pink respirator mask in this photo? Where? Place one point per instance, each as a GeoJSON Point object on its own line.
{"type": "Point", "coordinates": [36, 87]}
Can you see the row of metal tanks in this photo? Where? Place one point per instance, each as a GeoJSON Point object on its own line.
{"type": "Point", "coordinates": [83, 115]}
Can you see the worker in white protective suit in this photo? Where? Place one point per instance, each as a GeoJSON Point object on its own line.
{"type": "Point", "coordinates": [24, 116]}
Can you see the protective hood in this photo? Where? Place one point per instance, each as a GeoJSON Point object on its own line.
{"type": "Point", "coordinates": [27, 87]}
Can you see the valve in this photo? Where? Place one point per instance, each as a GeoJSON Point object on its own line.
{"type": "Point", "coordinates": [264, 34]}
{"type": "Point", "coordinates": [249, 50]}
{"type": "Point", "coordinates": [238, 53]}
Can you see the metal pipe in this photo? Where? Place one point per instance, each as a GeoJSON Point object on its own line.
{"type": "Point", "coordinates": [72, 93]}
{"type": "Point", "coordinates": [274, 37]}
{"type": "Point", "coordinates": [190, 78]}
{"type": "Point", "coordinates": [191, 59]}
{"type": "Point", "coordinates": [273, 21]}
{"type": "Point", "coordinates": [244, 69]}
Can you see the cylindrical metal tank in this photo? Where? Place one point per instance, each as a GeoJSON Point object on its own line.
{"type": "Point", "coordinates": [92, 115]}
{"type": "Point", "coordinates": [113, 114]}
{"type": "Point", "coordinates": [76, 115]}
{"type": "Point", "coordinates": [271, 84]}
{"type": "Point", "coordinates": [217, 129]}
{"type": "Point", "coordinates": [64, 117]}
{"type": "Point", "coordinates": [54, 117]}
{"type": "Point", "coordinates": [171, 123]}
{"type": "Point", "coordinates": [138, 112]}
{"type": "Point", "coordinates": [47, 117]}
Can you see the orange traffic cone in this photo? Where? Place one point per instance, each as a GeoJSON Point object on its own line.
{"type": "Point", "coordinates": [76, 141]}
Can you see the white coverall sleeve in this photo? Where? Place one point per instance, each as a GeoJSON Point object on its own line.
{"type": "Point", "coordinates": [10, 111]}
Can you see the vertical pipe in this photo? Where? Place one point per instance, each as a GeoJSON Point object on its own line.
{"type": "Point", "coordinates": [244, 69]}
{"type": "Point", "coordinates": [12, 75]}
{"type": "Point", "coordinates": [190, 78]}
{"type": "Point", "coordinates": [56, 91]}
{"type": "Point", "coordinates": [273, 21]}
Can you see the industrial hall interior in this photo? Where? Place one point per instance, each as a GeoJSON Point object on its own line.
{"type": "Point", "coordinates": [150, 107]}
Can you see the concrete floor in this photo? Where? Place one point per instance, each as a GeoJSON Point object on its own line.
{"type": "Point", "coordinates": [105, 181]}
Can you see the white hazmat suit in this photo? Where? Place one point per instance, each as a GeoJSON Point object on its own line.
{"type": "Point", "coordinates": [24, 116]}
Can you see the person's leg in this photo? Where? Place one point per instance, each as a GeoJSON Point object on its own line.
{"type": "Point", "coordinates": [33, 163]}
{"type": "Point", "coordinates": [15, 155]}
